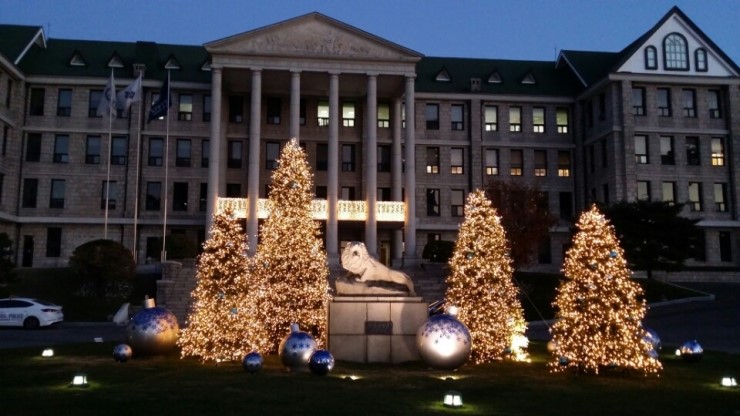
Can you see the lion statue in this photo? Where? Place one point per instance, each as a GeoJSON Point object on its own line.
{"type": "Point", "coordinates": [357, 261]}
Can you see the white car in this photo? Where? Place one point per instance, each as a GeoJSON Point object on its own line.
{"type": "Point", "coordinates": [29, 313]}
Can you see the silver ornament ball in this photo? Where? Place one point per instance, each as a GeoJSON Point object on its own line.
{"type": "Point", "coordinates": [321, 362]}
{"type": "Point", "coordinates": [296, 348]}
{"type": "Point", "coordinates": [122, 353]}
{"type": "Point", "coordinates": [153, 331]}
{"type": "Point", "coordinates": [252, 362]}
{"type": "Point", "coordinates": [444, 342]}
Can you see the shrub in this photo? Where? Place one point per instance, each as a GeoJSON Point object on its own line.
{"type": "Point", "coordinates": [178, 247]}
{"type": "Point", "coordinates": [438, 251]}
{"type": "Point", "coordinates": [103, 264]}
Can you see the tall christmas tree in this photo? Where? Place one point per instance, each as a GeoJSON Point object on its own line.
{"type": "Point", "coordinates": [600, 312]}
{"type": "Point", "coordinates": [221, 325]}
{"type": "Point", "coordinates": [290, 261]}
{"type": "Point", "coordinates": [480, 284]}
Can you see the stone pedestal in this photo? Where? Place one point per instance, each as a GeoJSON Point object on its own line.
{"type": "Point", "coordinates": [375, 329]}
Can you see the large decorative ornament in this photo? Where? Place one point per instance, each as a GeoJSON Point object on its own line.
{"type": "Point", "coordinates": [321, 362]}
{"type": "Point", "coordinates": [296, 348]}
{"type": "Point", "coordinates": [691, 351]}
{"type": "Point", "coordinates": [444, 342]}
{"type": "Point", "coordinates": [122, 353]}
{"type": "Point", "coordinates": [252, 362]}
{"type": "Point", "coordinates": [654, 340]}
{"type": "Point", "coordinates": [153, 330]}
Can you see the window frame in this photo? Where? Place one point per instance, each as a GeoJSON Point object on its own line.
{"type": "Point", "coordinates": [349, 113]}
{"type": "Point", "coordinates": [180, 196]}
{"type": "Point", "coordinates": [349, 157]}
{"type": "Point", "coordinates": [272, 154]}
{"type": "Point", "coordinates": [642, 158]}
{"type": "Point", "coordinates": [61, 149]}
{"type": "Point", "coordinates": [721, 204]}
{"type": "Point", "coordinates": [492, 166]}
{"type": "Point", "coordinates": [152, 200]}
{"type": "Point", "coordinates": [538, 120]}
{"type": "Point", "coordinates": [92, 142]}
{"type": "Point", "coordinates": [638, 110]}
{"type": "Point", "coordinates": [432, 160]}
{"type": "Point", "coordinates": [431, 115]}
{"type": "Point", "coordinates": [57, 193]}
{"type": "Point", "coordinates": [642, 194]}
{"type": "Point", "coordinates": [64, 102]}
{"type": "Point", "coordinates": [433, 202]}
{"type": "Point", "coordinates": [183, 153]}
{"type": "Point", "coordinates": [676, 55]}
{"type": "Point", "coordinates": [667, 150]}
{"type": "Point", "coordinates": [185, 107]}
{"type": "Point", "coordinates": [457, 117]}
{"type": "Point", "coordinates": [516, 164]}
{"type": "Point", "coordinates": [651, 57]}
{"type": "Point", "coordinates": [155, 158]}
{"type": "Point", "coordinates": [562, 128]}
{"type": "Point", "coordinates": [540, 163]}
{"type": "Point", "coordinates": [701, 64]}
{"type": "Point", "coordinates": [457, 202]}
{"type": "Point", "coordinates": [714, 104]}
{"type": "Point", "coordinates": [117, 158]}
{"type": "Point", "coordinates": [688, 99]}
{"type": "Point", "coordinates": [37, 96]}
{"type": "Point", "coordinates": [663, 102]}
{"type": "Point", "coordinates": [695, 205]}
{"type": "Point", "coordinates": [693, 151]}
{"type": "Point", "coordinates": [717, 146]}
{"type": "Point", "coordinates": [111, 187]}
{"type": "Point", "coordinates": [235, 157]}
{"type": "Point", "coordinates": [668, 187]}
{"type": "Point", "coordinates": [457, 161]}
{"type": "Point", "coordinates": [490, 124]}
{"type": "Point", "coordinates": [273, 110]}
{"type": "Point", "coordinates": [515, 111]}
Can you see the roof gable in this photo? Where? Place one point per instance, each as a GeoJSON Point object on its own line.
{"type": "Point", "coordinates": [16, 40]}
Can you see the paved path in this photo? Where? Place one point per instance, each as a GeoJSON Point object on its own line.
{"type": "Point", "coordinates": [65, 333]}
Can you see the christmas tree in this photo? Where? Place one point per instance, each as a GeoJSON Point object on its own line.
{"type": "Point", "coordinates": [221, 325]}
{"type": "Point", "coordinates": [480, 284]}
{"type": "Point", "coordinates": [290, 261]}
{"type": "Point", "coordinates": [600, 312]}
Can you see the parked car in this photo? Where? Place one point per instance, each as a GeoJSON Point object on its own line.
{"type": "Point", "coordinates": [29, 313]}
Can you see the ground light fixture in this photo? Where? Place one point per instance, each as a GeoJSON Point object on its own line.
{"type": "Point", "coordinates": [728, 382]}
{"type": "Point", "coordinates": [452, 399]}
{"type": "Point", "coordinates": [48, 352]}
{"type": "Point", "coordinates": [79, 380]}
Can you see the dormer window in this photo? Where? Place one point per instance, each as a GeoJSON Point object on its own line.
{"type": "Point", "coordinates": [206, 65]}
{"type": "Point", "coordinates": [700, 60]}
{"type": "Point", "coordinates": [529, 79]}
{"type": "Point", "coordinates": [115, 61]}
{"type": "Point", "coordinates": [443, 76]}
{"type": "Point", "coordinates": [172, 63]}
{"type": "Point", "coordinates": [651, 57]}
{"type": "Point", "coordinates": [494, 78]}
{"type": "Point", "coordinates": [675, 53]}
{"type": "Point", "coordinates": [77, 60]}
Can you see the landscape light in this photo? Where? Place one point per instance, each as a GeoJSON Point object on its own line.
{"type": "Point", "coordinates": [729, 382]}
{"type": "Point", "coordinates": [453, 399]}
{"type": "Point", "coordinates": [47, 353]}
{"type": "Point", "coordinates": [79, 380]}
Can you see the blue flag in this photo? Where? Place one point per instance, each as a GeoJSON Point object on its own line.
{"type": "Point", "coordinates": [160, 108]}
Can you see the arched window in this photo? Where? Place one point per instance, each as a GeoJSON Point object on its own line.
{"type": "Point", "coordinates": [700, 59]}
{"type": "Point", "coordinates": [675, 53]}
{"type": "Point", "coordinates": [651, 58]}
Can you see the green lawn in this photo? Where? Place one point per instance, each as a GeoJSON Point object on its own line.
{"type": "Point", "coordinates": [167, 385]}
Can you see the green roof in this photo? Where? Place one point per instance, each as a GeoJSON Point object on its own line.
{"type": "Point", "coordinates": [591, 66]}
{"type": "Point", "coordinates": [15, 38]}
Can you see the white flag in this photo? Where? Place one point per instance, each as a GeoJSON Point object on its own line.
{"type": "Point", "coordinates": [130, 95]}
{"type": "Point", "coordinates": [107, 104]}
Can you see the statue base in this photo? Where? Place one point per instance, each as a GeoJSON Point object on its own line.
{"type": "Point", "coordinates": [375, 329]}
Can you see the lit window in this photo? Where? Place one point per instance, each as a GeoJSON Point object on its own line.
{"type": "Point", "coordinates": [348, 114]}
{"type": "Point", "coordinates": [457, 111]}
{"type": "Point", "coordinates": [491, 117]}
{"type": "Point", "coordinates": [323, 113]}
{"type": "Point", "coordinates": [689, 103]}
{"type": "Point", "coordinates": [720, 197]}
{"type": "Point", "coordinates": [515, 119]}
{"type": "Point", "coordinates": [433, 160]}
{"type": "Point", "coordinates": [694, 196]}
{"type": "Point", "coordinates": [669, 192]}
{"type": "Point", "coordinates": [384, 115]}
{"type": "Point", "coordinates": [643, 190]}
{"type": "Point", "coordinates": [718, 152]}
{"type": "Point", "coordinates": [641, 150]}
{"type": "Point", "coordinates": [491, 162]}
{"type": "Point", "coordinates": [561, 116]}
{"type": "Point", "coordinates": [185, 109]}
{"type": "Point", "coordinates": [563, 163]}
{"type": "Point", "coordinates": [540, 163]}
{"type": "Point", "coordinates": [457, 203]}
{"type": "Point", "coordinates": [516, 163]}
{"type": "Point", "coordinates": [456, 161]}
{"type": "Point", "coordinates": [675, 52]}
{"type": "Point", "coordinates": [538, 119]}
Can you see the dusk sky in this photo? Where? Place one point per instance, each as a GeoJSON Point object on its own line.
{"type": "Point", "coordinates": [505, 29]}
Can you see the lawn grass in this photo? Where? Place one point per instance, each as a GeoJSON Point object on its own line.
{"type": "Point", "coordinates": [167, 385]}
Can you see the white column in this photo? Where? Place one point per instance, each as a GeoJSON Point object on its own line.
{"type": "Point", "coordinates": [371, 166]}
{"type": "Point", "coordinates": [396, 175]}
{"type": "Point", "coordinates": [332, 187]}
{"type": "Point", "coordinates": [410, 151]}
{"type": "Point", "coordinates": [214, 148]}
{"type": "Point", "coordinates": [253, 187]}
{"type": "Point", "coordinates": [295, 103]}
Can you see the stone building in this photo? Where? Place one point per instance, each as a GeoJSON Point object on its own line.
{"type": "Point", "coordinates": [396, 139]}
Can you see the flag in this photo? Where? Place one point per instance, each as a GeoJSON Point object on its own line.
{"type": "Point", "coordinates": [130, 95]}
{"type": "Point", "coordinates": [107, 106]}
{"type": "Point", "coordinates": [159, 108]}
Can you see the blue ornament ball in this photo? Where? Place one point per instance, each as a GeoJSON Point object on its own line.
{"type": "Point", "coordinates": [691, 351]}
{"type": "Point", "coordinates": [153, 331]}
{"type": "Point", "coordinates": [252, 362]}
{"type": "Point", "coordinates": [122, 353]}
{"type": "Point", "coordinates": [613, 254]}
{"type": "Point", "coordinates": [321, 362]}
{"type": "Point", "coordinates": [296, 348]}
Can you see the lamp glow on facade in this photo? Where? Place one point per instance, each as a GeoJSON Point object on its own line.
{"type": "Point", "coordinates": [47, 353]}
{"type": "Point", "coordinates": [79, 380]}
{"type": "Point", "coordinates": [729, 382]}
{"type": "Point", "coordinates": [452, 399]}
{"type": "Point", "coordinates": [386, 211]}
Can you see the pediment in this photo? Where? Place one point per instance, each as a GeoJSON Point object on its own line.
{"type": "Point", "coordinates": [312, 35]}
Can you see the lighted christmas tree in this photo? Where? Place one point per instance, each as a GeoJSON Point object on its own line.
{"type": "Point", "coordinates": [221, 324]}
{"type": "Point", "coordinates": [480, 285]}
{"type": "Point", "coordinates": [290, 261]}
{"type": "Point", "coordinates": [600, 309]}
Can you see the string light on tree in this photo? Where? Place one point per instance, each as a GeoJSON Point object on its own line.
{"type": "Point", "coordinates": [599, 312]}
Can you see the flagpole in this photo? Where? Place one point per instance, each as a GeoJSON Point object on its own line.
{"type": "Point", "coordinates": [138, 174]}
{"type": "Point", "coordinates": [166, 171]}
{"type": "Point", "coordinates": [110, 154]}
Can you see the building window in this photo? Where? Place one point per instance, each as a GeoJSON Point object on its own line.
{"type": "Point", "coordinates": [348, 158]}
{"type": "Point", "coordinates": [204, 197]}
{"type": "Point", "coordinates": [36, 106]}
{"type": "Point", "coordinates": [432, 116]}
{"type": "Point", "coordinates": [456, 117]}
{"type": "Point", "coordinates": [320, 192]}
{"type": "Point", "coordinates": [692, 151]}
{"type": "Point", "coordinates": [272, 154]}
{"type": "Point", "coordinates": [54, 242]}
{"type": "Point", "coordinates": [668, 191]}
{"type": "Point", "coordinates": [700, 60]}
{"type": "Point", "coordinates": [61, 149]}
{"type": "Point", "coordinates": [56, 199]}
{"type": "Point", "coordinates": [302, 112]}
{"type": "Point", "coordinates": [664, 102]}
{"type": "Point", "coordinates": [109, 192]}
{"type": "Point", "coordinates": [185, 110]}
{"type": "Point", "coordinates": [641, 150]}
{"type": "Point", "coordinates": [119, 150]}
{"type": "Point", "coordinates": [538, 119]}
{"type": "Point", "coordinates": [433, 202]}
{"type": "Point", "coordinates": [33, 147]}
{"type": "Point", "coordinates": [515, 119]}
{"type": "Point", "coordinates": [236, 109]}
{"type": "Point", "coordinates": [233, 190]}
{"type": "Point", "coordinates": [92, 150]}
{"type": "Point", "coordinates": [205, 153]}
{"type": "Point", "coordinates": [638, 101]}
{"type": "Point", "coordinates": [562, 120]}
{"type": "Point", "coordinates": [720, 197]}
{"type": "Point", "coordinates": [348, 114]}
{"type": "Point", "coordinates": [64, 103]}
{"type": "Point", "coordinates": [566, 205]}
{"type": "Point", "coordinates": [651, 57]}
{"type": "Point", "coordinates": [457, 161]}
{"type": "Point", "coordinates": [93, 102]}
{"type": "Point", "coordinates": [695, 196]}
{"type": "Point", "coordinates": [322, 157]}
{"type": "Point", "coordinates": [516, 162]}
{"type": "Point", "coordinates": [180, 196]}
{"type": "Point", "coordinates": [207, 108]}
{"type": "Point", "coordinates": [675, 53]}
{"type": "Point", "coordinates": [457, 203]}
{"type": "Point", "coordinates": [725, 246]}
{"type": "Point", "coordinates": [274, 110]}
{"type": "Point", "coordinates": [156, 151]}
{"type": "Point", "coordinates": [322, 111]}
{"type": "Point", "coordinates": [347, 193]}
{"type": "Point", "coordinates": [433, 160]}
{"type": "Point", "coordinates": [714, 104]}
{"type": "Point", "coordinates": [9, 95]}
{"type": "Point", "coordinates": [384, 158]}
{"type": "Point", "coordinates": [602, 107]}
{"type": "Point", "coordinates": [718, 152]}
{"type": "Point", "coordinates": [182, 158]}
{"type": "Point", "coordinates": [563, 163]}
{"type": "Point", "coordinates": [384, 115]}
{"type": "Point", "coordinates": [490, 115]}
{"type": "Point", "coordinates": [30, 189]}
{"type": "Point", "coordinates": [384, 194]}
{"type": "Point", "coordinates": [491, 162]}
{"type": "Point", "coordinates": [153, 196]}
{"type": "Point", "coordinates": [540, 163]}
{"type": "Point", "coordinates": [235, 154]}
{"type": "Point", "coordinates": [643, 190]}
{"type": "Point", "coordinates": [667, 155]}
{"type": "Point", "coordinates": [689, 102]}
